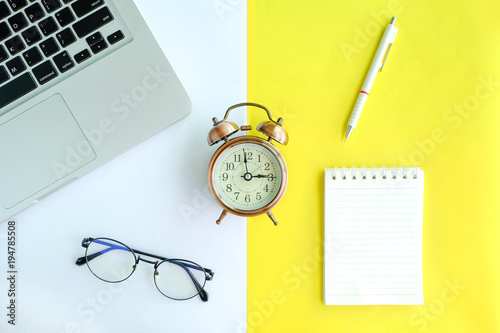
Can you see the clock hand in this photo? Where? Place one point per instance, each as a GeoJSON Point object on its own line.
{"type": "Point", "coordinates": [265, 176]}
{"type": "Point", "coordinates": [247, 176]}
{"type": "Point", "coordinates": [245, 160]}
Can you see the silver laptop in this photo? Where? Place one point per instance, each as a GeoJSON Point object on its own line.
{"type": "Point", "coordinates": [81, 81]}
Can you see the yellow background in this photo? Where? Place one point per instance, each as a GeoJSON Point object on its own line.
{"type": "Point", "coordinates": [436, 105]}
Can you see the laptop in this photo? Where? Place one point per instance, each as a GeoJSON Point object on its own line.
{"type": "Point", "coordinates": [81, 81]}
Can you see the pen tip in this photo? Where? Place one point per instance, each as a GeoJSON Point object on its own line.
{"type": "Point", "coordinates": [393, 20]}
{"type": "Point", "coordinates": [349, 130]}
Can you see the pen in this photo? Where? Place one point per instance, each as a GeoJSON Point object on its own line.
{"type": "Point", "coordinates": [378, 63]}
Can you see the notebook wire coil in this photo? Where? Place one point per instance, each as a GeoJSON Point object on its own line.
{"type": "Point", "coordinates": [383, 172]}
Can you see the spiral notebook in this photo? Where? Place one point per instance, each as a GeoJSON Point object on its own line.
{"type": "Point", "coordinates": [373, 236]}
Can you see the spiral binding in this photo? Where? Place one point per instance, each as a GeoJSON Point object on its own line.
{"type": "Point", "coordinates": [393, 172]}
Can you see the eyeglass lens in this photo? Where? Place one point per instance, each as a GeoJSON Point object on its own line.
{"type": "Point", "coordinates": [110, 260]}
{"type": "Point", "coordinates": [179, 279]}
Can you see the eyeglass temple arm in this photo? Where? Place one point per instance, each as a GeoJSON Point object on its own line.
{"type": "Point", "coordinates": [85, 243]}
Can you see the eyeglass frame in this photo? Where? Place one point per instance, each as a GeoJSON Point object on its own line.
{"type": "Point", "coordinates": [209, 274]}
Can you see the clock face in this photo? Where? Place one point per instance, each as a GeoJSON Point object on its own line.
{"type": "Point", "coordinates": [248, 175]}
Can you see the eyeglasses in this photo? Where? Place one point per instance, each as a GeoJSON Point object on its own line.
{"type": "Point", "coordinates": [113, 261]}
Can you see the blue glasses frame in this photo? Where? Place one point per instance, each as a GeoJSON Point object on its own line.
{"type": "Point", "coordinates": [113, 244]}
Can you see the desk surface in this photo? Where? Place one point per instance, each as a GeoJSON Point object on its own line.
{"type": "Point", "coordinates": [435, 105]}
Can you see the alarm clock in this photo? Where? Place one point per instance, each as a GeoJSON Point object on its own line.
{"type": "Point", "coordinates": [247, 175]}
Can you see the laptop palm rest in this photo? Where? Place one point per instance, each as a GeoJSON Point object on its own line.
{"type": "Point", "coordinates": [38, 148]}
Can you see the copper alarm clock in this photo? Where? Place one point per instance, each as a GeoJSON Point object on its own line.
{"type": "Point", "coordinates": [247, 175]}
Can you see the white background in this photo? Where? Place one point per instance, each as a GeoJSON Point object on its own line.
{"type": "Point", "coordinates": [153, 198]}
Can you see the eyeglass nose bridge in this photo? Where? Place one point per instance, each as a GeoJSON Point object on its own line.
{"type": "Point", "coordinates": [139, 259]}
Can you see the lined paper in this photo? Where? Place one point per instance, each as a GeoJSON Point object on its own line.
{"type": "Point", "coordinates": [373, 236]}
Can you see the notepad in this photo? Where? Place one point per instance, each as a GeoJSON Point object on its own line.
{"type": "Point", "coordinates": [373, 236]}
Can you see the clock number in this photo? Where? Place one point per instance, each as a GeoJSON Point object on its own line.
{"type": "Point", "coordinates": [229, 188]}
{"type": "Point", "coordinates": [237, 194]}
{"type": "Point", "coordinates": [225, 176]}
{"type": "Point", "coordinates": [258, 159]}
{"type": "Point", "coordinates": [270, 177]}
{"type": "Point", "coordinates": [229, 166]}
{"type": "Point", "coordinates": [266, 188]}
{"type": "Point", "coordinates": [247, 198]}
{"type": "Point", "coordinates": [268, 166]}
{"type": "Point", "coordinates": [258, 196]}
{"type": "Point", "coordinates": [237, 158]}
{"type": "Point", "coordinates": [249, 156]}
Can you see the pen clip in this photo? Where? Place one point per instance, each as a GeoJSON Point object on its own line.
{"type": "Point", "coordinates": [389, 36]}
{"type": "Point", "coordinates": [386, 55]}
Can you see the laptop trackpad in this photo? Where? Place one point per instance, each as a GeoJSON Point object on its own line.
{"type": "Point", "coordinates": [39, 147]}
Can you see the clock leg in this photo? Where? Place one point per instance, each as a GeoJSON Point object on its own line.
{"type": "Point", "coordinates": [223, 215]}
{"type": "Point", "coordinates": [271, 216]}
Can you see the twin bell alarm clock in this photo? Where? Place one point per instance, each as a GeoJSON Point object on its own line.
{"type": "Point", "coordinates": [247, 175]}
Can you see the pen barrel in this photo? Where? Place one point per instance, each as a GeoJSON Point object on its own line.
{"type": "Point", "coordinates": [358, 107]}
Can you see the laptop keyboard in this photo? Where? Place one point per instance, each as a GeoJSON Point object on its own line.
{"type": "Point", "coordinates": [44, 41]}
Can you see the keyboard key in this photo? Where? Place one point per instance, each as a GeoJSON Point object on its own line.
{"type": "Point", "coordinates": [17, 4]}
{"type": "Point", "coordinates": [16, 89]}
{"type": "Point", "coordinates": [49, 47]}
{"type": "Point", "coordinates": [94, 39]}
{"type": "Point", "coordinates": [63, 62]}
{"type": "Point", "coordinates": [93, 22]}
{"type": "Point", "coordinates": [45, 72]}
{"type": "Point", "coordinates": [66, 37]}
{"type": "Point", "coordinates": [83, 7]}
{"type": "Point", "coordinates": [18, 22]}
{"type": "Point", "coordinates": [51, 5]}
{"type": "Point", "coordinates": [4, 10]}
{"type": "Point", "coordinates": [4, 31]}
{"type": "Point", "coordinates": [4, 76]}
{"type": "Point", "coordinates": [31, 35]}
{"type": "Point", "coordinates": [3, 54]}
{"type": "Point", "coordinates": [82, 56]}
{"type": "Point", "coordinates": [115, 37]}
{"type": "Point", "coordinates": [64, 17]}
{"type": "Point", "coordinates": [48, 26]}
{"type": "Point", "coordinates": [15, 66]}
{"type": "Point", "coordinates": [32, 56]}
{"type": "Point", "coordinates": [98, 47]}
{"type": "Point", "coordinates": [34, 12]}
{"type": "Point", "coordinates": [15, 45]}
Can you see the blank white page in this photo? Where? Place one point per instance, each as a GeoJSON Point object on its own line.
{"type": "Point", "coordinates": [373, 236]}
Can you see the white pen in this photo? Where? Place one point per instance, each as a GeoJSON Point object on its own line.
{"type": "Point", "coordinates": [378, 63]}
